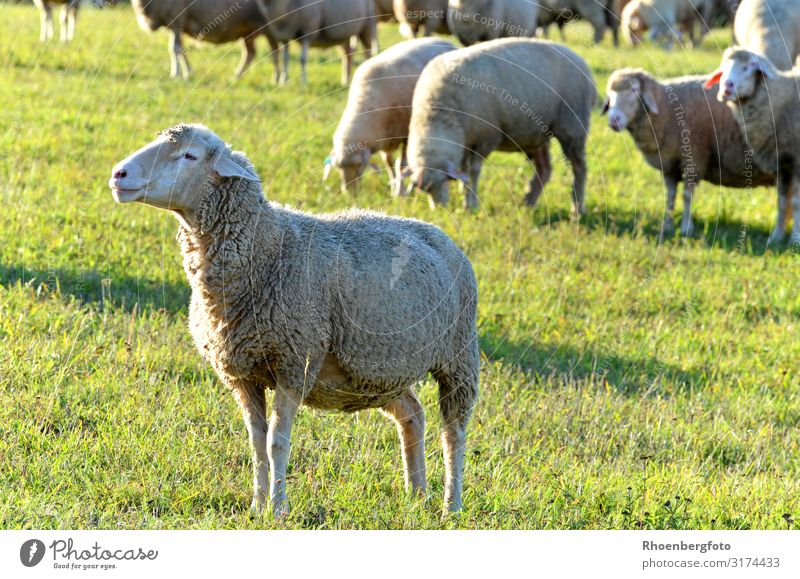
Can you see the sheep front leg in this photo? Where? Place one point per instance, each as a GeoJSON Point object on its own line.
{"type": "Point", "coordinates": [471, 188]}
{"type": "Point", "coordinates": [347, 62]}
{"type": "Point", "coordinates": [409, 416]}
{"type": "Point", "coordinates": [795, 209]}
{"type": "Point", "coordinates": [668, 225]}
{"type": "Point", "coordinates": [687, 224]}
{"type": "Point", "coordinates": [45, 20]}
{"type": "Point", "coordinates": [541, 161]}
{"type": "Point", "coordinates": [304, 44]}
{"type": "Point", "coordinates": [394, 177]}
{"type": "Point", "coordinates": [73, 15]}
{"type": "Point", "coordinates": [284, 409]}
{"type": "Point", "coordinates": [784, 192]}
{"type": "Point", "coordinates": [252, 403]}
{"type": "Point", "coordinates": [248, 54]}
{"type": "Point", "coordinates": [178, 58]}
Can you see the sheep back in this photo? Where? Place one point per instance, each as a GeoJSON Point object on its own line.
{"type": "Point", "coordinates": [771, 28]}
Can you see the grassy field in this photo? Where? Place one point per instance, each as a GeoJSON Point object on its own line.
{"type": "Point", "coordinates": [626, 383]}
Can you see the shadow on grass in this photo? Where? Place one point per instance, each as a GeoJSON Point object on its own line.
{"type": "Point", "coordinates": [725, 233]}
{"type": "Point", "coordinates": [629, 376]}
{"type": "Point", "coordinates": [90, 287]}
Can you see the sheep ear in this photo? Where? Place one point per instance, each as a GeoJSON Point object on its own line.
{"type": "Point", "coordinates": [649, 102]}
{"type": "Point", "coordinates": [713, 80]}
{"type": "Point", "coordinates": [605, 106]}
{"type": "Point", "coordinates": [455, 173]}
{"type": "Point", "coordinates": [764, 66]}
{"type": "Point", "coordinates": [225, 166]}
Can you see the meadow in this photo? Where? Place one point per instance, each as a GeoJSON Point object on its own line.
{"type": "Point", "coordinates": [627, 383]}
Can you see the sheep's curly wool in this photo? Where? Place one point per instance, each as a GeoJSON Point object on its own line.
{"type": "Point", "coordinates": [350, 308]}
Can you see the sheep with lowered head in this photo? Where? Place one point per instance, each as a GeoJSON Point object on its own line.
{"type": "Point", "coordinates": [215, 21]}
{"type": "Point", "coordinates": [378, 110]}
{"type": "Point", "coordinates": [666, 20]}
{"type": "Point", "coordinates": [766, 103]}
{"type": "Point", "coordinates": [683, 131]}
{"type": "Point", "coordinates": [771, 28]}
{"type": "Point", "coordinates": [421, 17]}
{"type": "Point", "coordinates": [511, 94]}
{"type": "Point", "coordinates": [473, 21]}
{"type": "Point", "coordinates": [346, 311]}
{"type": "Point", "coordinates": [321, 23]}
{"type": "Point", "coordinates": [599, 13]}
{"type": "Point", "coordinates": [69, 13]}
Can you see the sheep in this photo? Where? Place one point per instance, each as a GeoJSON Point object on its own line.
{"type": "Point", "coordinates": [421, 16]}
{"type": "Point", "coordinates": [473, 21]}
{"type": "Point", "coordinates": [69, 13]}
{"type": "Point", "coordinates": [770, 28]}
{"type": "Point", "coordinates": [321, 23]}
{"type": "Point", "coordinates": [215, 21]}
{"type": "Point", "coordinates": [666, 20]}
{"type": "Point", "coordinates": [510, 94]}
{"type": "Point", "coordinates": [599, 13]}
{"type": "Point", "coordinates": [346, 311]}
{"type": "Point", "coordinates": [683, 131]}
{"type": "Point", "coordinates": [379, 109]}
{"type": "Point", "coordinates": [766, 103]}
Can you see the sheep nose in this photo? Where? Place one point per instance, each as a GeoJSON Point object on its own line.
{"type": "Point", "coordinates": [729, 85]}
{"type": "Point", "coordinates": [120, 174]}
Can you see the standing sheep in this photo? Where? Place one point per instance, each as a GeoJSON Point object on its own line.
{"type": "Point", "coordinates": [473, 21]}
{"type": "Point", "coordinates": [341, 312]}
{"type": "Point", "coordinates": [421, 16]}
{"type": "Point", "coordinates": [770, 28]}
{"type": "Point", "coordinates": [598, 13]}
{"type": "Point", "coordinates": [215, 21]}
{"type": "Point", "coordinates": [666, 20]}
{"type": "Point", "coordinates": [510, 94]}
{"type": "Point", "coordinates": [379, 109]}
{"type": "Point", "coordinates": [766, 104]}
{"type": "Point", "coordinates": [69, 13]}
{"type": "Point", "coordinates": [321, 23]}
{"type": "Point", "coordinates": [683, 131]}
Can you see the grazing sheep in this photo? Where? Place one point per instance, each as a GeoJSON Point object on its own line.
{"type": "Point", "coordinates": [341, 312]}
{"type": "Point", "coordinates": [321, 23]}
{"type": "Point", "coordinates": [683, 131]}
{"type": "Point", "coordinates": [511, 94]}
{"type": "Point", "coordinates": [421, 16]}
{"type": "Point", "coordinates": [766, 104]}
{"type": "Point", "coordinates": [473, 21]}
{"type": "Point", "coordinates": [379, 109]}
{"type": "Point", "coordinates": [69, 13]}
{"type": "Point", "coordinates": [770, 28]}
{"type": "Point", "coordinates": [215, 21]}
{"type": "Point", "coordinates": [597, 12]}
{"type": "Point", "coordinates": [666, 20]}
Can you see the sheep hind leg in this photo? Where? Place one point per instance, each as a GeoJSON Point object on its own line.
{"type": "Point", "coordinates": [252, 402]}
{"type": "Point", "coordinates": [784, 194]}
{"type": "Point", "coordinates": [458, 392]}
{"type": "Point", "coordinates": [347, 62]}
{"type": "Point", "coordinates": [73, 16]}
{"type": "Point", "coordinates": [471, 189]}
{"type": "Point", "coordinates": [687, 224]}
{"type": "Point", "coordinates": [409, 416]}
{"type": "Point", "coordinates": [248, 54]}
{"type": "Point", "coordinates": [64, 22]}
{"type": "Point", "coordinates": [794, 212]}
{"type": "Point", "coordinates": [576, 154]}
{"type": "Point", "coordinates": [178, 58]}
{"type": "Point", "coordinates": [668, 224]}
{"type": "Point", "coordinates": [544, 169]}
{"type": "Point", "coordinates": [45, 20]}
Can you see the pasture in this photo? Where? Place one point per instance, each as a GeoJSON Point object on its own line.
{"type": "Point", "coordinates": [626, 383]}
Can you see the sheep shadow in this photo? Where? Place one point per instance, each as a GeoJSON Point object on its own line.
{"type": "Point", "coordinates": [722, 232]}
{"type": "Point", "coordinates": [89, 287]}
{"type": "Point", "coordinates": [567, 365]}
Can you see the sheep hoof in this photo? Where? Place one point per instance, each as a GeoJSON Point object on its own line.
{"type": "Point", "coordinates": [667, 231]}
{"type": "Point", "coordinates": [687, 231]}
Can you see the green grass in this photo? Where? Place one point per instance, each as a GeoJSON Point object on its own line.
{"type": "Point", "coordinates": [626, 383]}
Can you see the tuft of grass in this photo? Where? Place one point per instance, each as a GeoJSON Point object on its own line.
{"type": "Point", "coordinates": [626, 383]}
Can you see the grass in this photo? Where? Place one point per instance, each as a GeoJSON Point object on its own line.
{"type": "Point", "coordinates": [626, 383]}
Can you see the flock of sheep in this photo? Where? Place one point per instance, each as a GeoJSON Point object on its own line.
{"type": "Point", "coordinates": [350, 310]}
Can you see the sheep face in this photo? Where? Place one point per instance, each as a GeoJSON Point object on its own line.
{"type": "Point", "coordinates": [351, 168]}
{"type": "Point", "coordinates": [433, 181]}
{"type": "Point", "coordinates": [738, 75]}
{"type": "Point", "coordinates": [627, 97]}
{"type": "Point", "coordinates": [172, 171]}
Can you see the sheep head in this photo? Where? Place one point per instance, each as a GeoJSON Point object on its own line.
{"type": "Point", "coordinates": [630, 92]}
{"type": "Point", "coordinates": [739, 73]}
{"type": "Point", "coordinates": [172, 171]}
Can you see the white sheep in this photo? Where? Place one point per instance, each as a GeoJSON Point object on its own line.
{"type": "Point", "coordinates": [666, 20]}
{"type": "Point", "coordinates": [321, 23]}
{"type": "Point", "coordinates": [215, 21]}
{"type": "Point", "coordinates": [69, 13]}
{"type": "Point", "coordinates": [346, 311]}
{"type": "Point", "coordinates": [766, 103]}
{"type": "Point", "coordinates": [599, 13]}
{"type": "Point", "coordinates": [378, 110]}
{"type": "Point", "coordinates": [683, 131]}
{"type": "Point", "coordinates": [473, 21]}
{"type": "Point", "coordinates": [511, 94]}
{"type": "Point", "coordinates": [771, 28]}
{"type": "Point", "coordinates": [421, 16]}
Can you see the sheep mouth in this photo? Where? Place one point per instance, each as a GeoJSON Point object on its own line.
{"type": "Point", "coordinates": [122, 195]}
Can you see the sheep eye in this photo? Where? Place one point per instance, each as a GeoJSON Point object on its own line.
{"type": "Point", "coordinates": [189, 156]}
